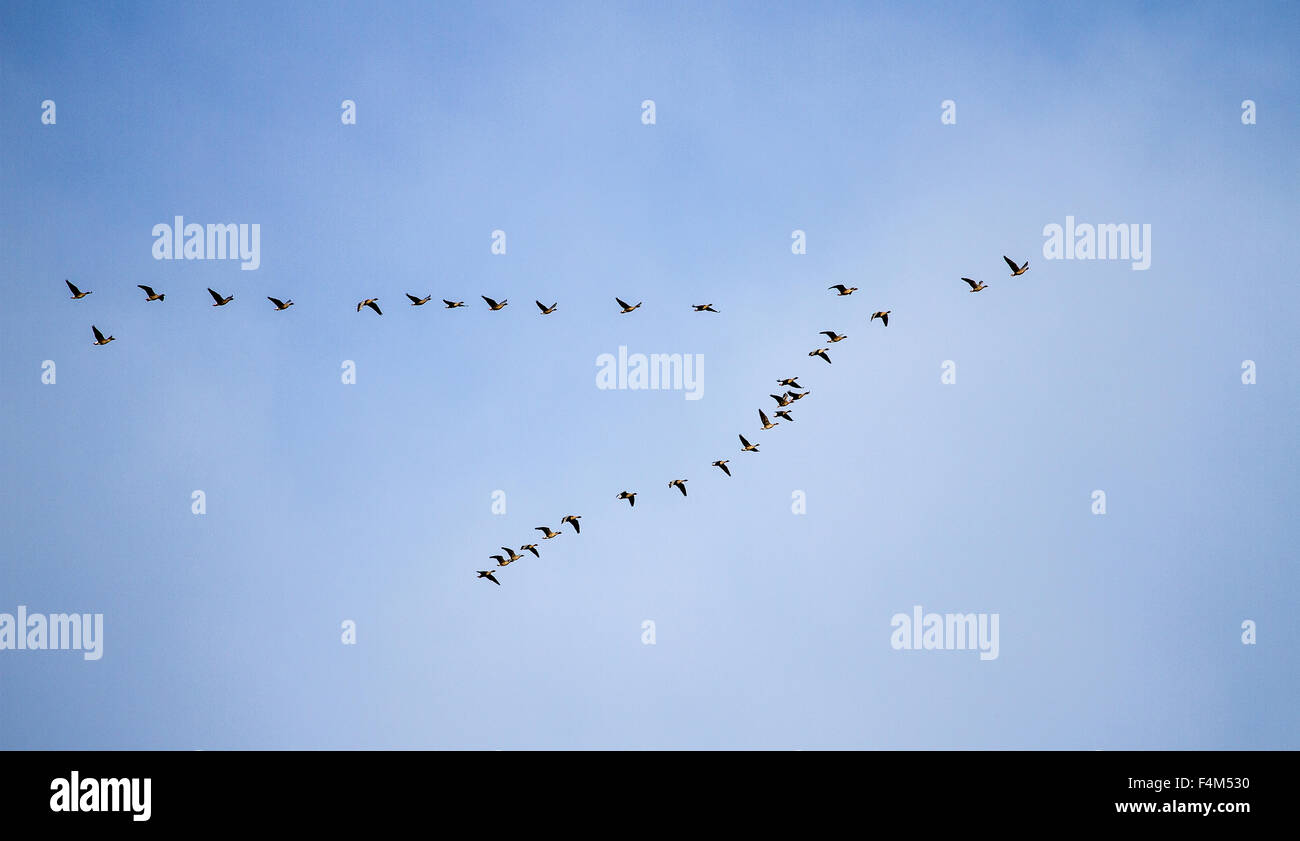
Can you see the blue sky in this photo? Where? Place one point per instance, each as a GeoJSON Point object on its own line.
{"type": "Point", "coordinates": [372, 502]}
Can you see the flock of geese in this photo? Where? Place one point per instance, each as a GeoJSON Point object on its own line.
{"type": "Point", "coordinates": [791, 392]}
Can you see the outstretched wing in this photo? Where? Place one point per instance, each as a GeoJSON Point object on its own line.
{"type": "Point", "coordinates": [99, 337]}
{"type": "Point", "coordinates": [490, 302]}
{"type": "Point", "coordinates": [278, 303]}
{"type": "Point", "coordinates": [621, 303]}
{"type": "Point", "coordinates": [148, 290]}
{"type": "Point", "coordinates": [972, 283]}
{"type": "Point", "coordinates": [1011, 263]}
{"type": "Point", "coordinates": [375, 307]}
{"type": "Point", "coordinates": [214, 295]}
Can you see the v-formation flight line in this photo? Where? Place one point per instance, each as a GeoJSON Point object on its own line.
{"type": "Point", "coordinates": [783, 400]}
{"type": "Point", "coordinates": [624, 307]}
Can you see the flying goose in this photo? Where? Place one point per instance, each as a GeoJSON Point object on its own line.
{"type": "Point", "coordinates": [501, 561]}
{"type": "Point", "coordinates": [76, 293]}
{"type": "Point", "coordinates": [703, 307]}
{"type": "Point", "coordinates": [220, 301]}
{"type": "Point", "coordinates": [530, 547]}
{"type": "Point", "coordinates": [451, 305]}
{"type": "Point", "coordinates": [99, 337]}
{"type": "Point", "coordinates": [975, 287]}
{"type": "Point", "coordinates": [722, 462]}
{"type": "Point", "coordinates": [681, 485]}
{"type": "Point", "coordinates": [487, 573]}
{"type": "Point", "coordinates": [746, 447]}
{"type": "Point", "coordinates": [798, 395]}
{"type": "Point", "coordinates": [1016, 271]}
{"type": "Point", "coordinates": [630, 497]}
{"type": "Point", "coordinates": [572, 519]}
{"type": "Point", "coordinates": [822, 353]}
{"type": "Point", "coordinates": [149, 293]}
{"type": "Point", "coordinates": [833, 336]}
{"type": "Point", "coordinates": [766, 423]}
{"type": "Point", "coordinates": [546, 532]}
{"type": "Point", "coordinates": [789, 381]}
{"type": "Point", "coordinates": [849, 290]}
{"type": "Point", "coordinates": [418, 302]}
{"type": "Point", "coordinates": [279, 305]}
{"type": "Point", "coordinates": [782, 413]}
{"type": "Point", "coordinates": [782, 401]}
{"type": "Point", "coordinates": [626, 306]}
{"type": "Point", "coordinates": [372, 303]}
{"type": "Point", "coordinates": [883, 316]}
{"type": "Point", "coordinates": [511, 553]}
{"type": "Point", "coordinates": [493, 305]}
{"type": "Point", "coordinates": [546, 310]}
